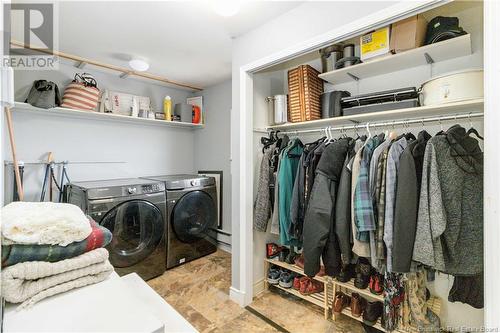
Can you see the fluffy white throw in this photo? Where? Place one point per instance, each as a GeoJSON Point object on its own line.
{"type": "Point", "coordinates": [30, 282]}
{"type": "Point", "coordinates": [44, 223]}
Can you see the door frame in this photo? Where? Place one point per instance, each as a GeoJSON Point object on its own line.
{"type": "Point", "coordinates": [378, 19]}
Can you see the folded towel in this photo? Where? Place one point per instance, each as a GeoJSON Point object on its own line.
{"type": "Point", "coordinates": [15, 253]}
{"type": "Point", "coordinates": [44, 223]}
{"type": "Point", "coordinates": [30, 282]}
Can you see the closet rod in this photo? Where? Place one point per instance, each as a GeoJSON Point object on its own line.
{"type": "Point", "coordinates": [379, 124]}
{"type": "Point", "coordinates": [81, 61]}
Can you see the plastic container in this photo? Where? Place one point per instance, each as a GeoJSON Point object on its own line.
{"type": "Point", "coordinates": [167, 108]}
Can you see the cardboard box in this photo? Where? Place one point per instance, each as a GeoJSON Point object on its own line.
{"type": "Point", "coordinates": [408, 33]}
{"type": "Point", "coordinates": [375, 43]}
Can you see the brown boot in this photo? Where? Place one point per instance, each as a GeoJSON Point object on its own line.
{"type": "Point", "coordinates": [358, 305]}
{"type": "Point", "coordinates": [341, 302]}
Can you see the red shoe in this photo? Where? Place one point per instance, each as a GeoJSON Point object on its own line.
{"type": "Point", "coordinates": [299, 261]}
{"type": "Point", "coordinates": [296, 283]}
{"type": "Point", "coordinates": [273, 250]}
{"type": "Point", "coordinates": [304, 283]}
{"type": "Point", "coordinates": [376, 284]}
{"type": "Point", "coordinates": [312, 287]}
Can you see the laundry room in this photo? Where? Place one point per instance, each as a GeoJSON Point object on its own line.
{"type": "Point", "coordinates": [249, 166]}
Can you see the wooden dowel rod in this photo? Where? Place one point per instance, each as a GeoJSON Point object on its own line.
{"type": "Point", "coordinates": [104, 65]}
{"type": "Point", "coordinates": [20, 189]}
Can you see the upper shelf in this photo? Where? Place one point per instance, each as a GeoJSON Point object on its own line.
{"type": "Point", "coordinates": [448, 49]}
{"type": "Point", "coordinates": [25, 107]}
{"type": "Point", "coordinates": [464, 107]}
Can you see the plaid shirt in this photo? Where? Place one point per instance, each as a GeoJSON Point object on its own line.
{"type": "Point", "coordinates": [390, 194]}
{"type": "Point", "coordinates": [363, 202]}
{"type": "Point", "coordinates": [380, 201]}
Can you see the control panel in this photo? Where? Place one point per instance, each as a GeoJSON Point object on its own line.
{"type": "Point", "coordinates": [152, 188]}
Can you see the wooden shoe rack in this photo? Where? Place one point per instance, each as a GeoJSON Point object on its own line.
{"type": "Point", "coordinates": [325, 298]}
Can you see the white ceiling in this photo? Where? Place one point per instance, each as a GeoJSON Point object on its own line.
{"type": "Point", "coordinates": [182, 41]}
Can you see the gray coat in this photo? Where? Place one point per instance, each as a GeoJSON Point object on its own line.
{"type": "Point", "coordinates": [262, 205]}
{"type": "Point", "coordinates": [449, 233]}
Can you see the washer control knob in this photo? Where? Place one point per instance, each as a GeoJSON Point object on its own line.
{"type": "Point", "coordinates": [132, 190]}
{"type": "Point", "coordinates": [194, 183]}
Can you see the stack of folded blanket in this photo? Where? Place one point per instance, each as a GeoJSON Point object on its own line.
{"type": "Point", "coordinates": [49, 248]}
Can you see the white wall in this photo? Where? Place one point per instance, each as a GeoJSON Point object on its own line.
{"type": "Point", "coordinates": [212, 146]}
{"type": "Point", "coordinates": [292, 28]}
{"type": "Point", "coordinates": [145, 149]}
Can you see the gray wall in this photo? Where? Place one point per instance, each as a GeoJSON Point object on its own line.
{"type": "Point", "coordinates": [212, 146]}
{"type": "Point", "coordinates": [145, 149]}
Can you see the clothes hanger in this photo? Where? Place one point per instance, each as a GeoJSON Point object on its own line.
{"type": "Point", "coordinates": [472, 130]}
{"type": "Point", "coordinates": [392, 134]}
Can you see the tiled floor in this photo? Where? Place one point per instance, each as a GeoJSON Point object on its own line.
{"type": "Point", "coordinates": [199, 291]}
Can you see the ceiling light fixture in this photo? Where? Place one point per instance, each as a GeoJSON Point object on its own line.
{"type": "Point", "coordinates": [226, 8]}
{"type": "Point", "coordinates": [138, 65]}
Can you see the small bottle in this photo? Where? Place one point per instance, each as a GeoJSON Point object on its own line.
{"type": "Point", "coordinates": [167, 108]}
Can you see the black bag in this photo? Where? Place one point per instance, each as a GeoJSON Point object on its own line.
{"type": "Point", "coordinates": [330, 103]}
{"type": "Point", "coordinates": [44, 94]}
{"type": "Point", "coordinates": [441, 28]}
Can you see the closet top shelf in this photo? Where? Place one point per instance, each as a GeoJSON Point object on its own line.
{"type": "Point", "coordinates": [449, 109]}
{"type": "Point", "coordinates": [109, 117]}
{"type": "Point", "coordinates": [445, 50]}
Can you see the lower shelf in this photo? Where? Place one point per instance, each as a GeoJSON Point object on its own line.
{"type": "Point", "coordinates": [316, 299]}
{"type": "Point", "coordinates": [378, 324]}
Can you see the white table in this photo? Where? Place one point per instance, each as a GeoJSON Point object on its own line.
{"type": "Point", "coordinates": [125, 304]}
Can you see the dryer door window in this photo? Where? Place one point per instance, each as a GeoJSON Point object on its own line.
{"type": "Point", "coordinates": [137, 227]}
{"type": "Point", "coordinates": [193, 215]}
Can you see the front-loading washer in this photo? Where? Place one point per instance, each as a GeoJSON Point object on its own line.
{"type": "Point", "coordinates": [134, 211]}
{"type": "Point", "coordinates": [191, 217]}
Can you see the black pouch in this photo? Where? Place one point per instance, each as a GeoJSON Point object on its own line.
{"type": "Point", "coordinates": [441, 28]}
{"type": "Point", "coordinates": [44, 94]}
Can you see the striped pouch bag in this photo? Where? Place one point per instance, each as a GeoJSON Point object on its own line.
{"type": "Point", "coordinates": [82, 93]}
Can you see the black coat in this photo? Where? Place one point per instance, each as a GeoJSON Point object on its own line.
{"type": "Point", "coordinates": [320, 239]}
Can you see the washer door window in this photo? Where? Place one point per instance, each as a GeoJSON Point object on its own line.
{"type": "Point", "coordinates": [193, 215]}
{"type": "Point", "coordinates": [137, 228]}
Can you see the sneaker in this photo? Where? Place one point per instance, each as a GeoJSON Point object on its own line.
{"type": "Point", "coordinates": [372, 312]}
{"type": "Point", "coordinates": [273, 250]}
{"type": "Point", "coordinates": [363, 271]}
{"type": "Point", "coordinates": [376, 284]}
{"type": "Point", "coordinates": [340, 302]}
{"type": "Point", "coordinates": [283, 254]}
{"type": "Point", "coordinates": [358, 305]}
{"type": "Point", "coordinates": [273, 276]}
{"type": "Point", "coordinates": [286, 279]}
{"type": "Point", "coordinates": [312, 287]}
{"type": "Point", "coordinates": [290, 258]}
{"type": "Point", "coordinates": [296, 283]}
{"type": "Point", "coordinates": [346, 273]}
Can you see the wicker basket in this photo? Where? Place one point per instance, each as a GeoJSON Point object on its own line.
{"type": "Point", "coordinates": [304, 94]}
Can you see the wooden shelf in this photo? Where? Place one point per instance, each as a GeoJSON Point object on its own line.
{"type": "Point", "coordinates": [293, 268]}
{"type": "Point", "coordinates": [378, 324]}
{"type": "Point", "coordinates": [364, 292]}
{"type": "Point", "coordinates": [464, 107]}
{"type": "Point", "coordinates": [99, 116]}
{"type": "Point", "coordinates": [445, 50]}
{"type": "Point", "coordinates": [316, 299]}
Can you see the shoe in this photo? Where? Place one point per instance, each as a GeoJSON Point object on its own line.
{"type": "Point", "coordinates": [296, 283]}
{"type": "Point", "coordinates": [299, 261]}
{"type": "Point", "coordinates": [272, 250]}
{"type": "Point", "coordinates": [286, 279]}
{"type": "Point", "coordinates": [303, 284]}
{"type": "Point", "coordinates": [312, 287]}
{"type": "Point", "coordinates": [358, 305]}
{"type": "Point", "coordinates": [290, 258]}
{"type": "Point", "coordinates": [340, 302]}
{"type": "Point", "coordinates": [363, 271]}
{"type": "Point", "coordinates": [372, 312]}
{"type": "Point", "coordinates": [376, 284]}
{"type": "Point", "coordinates": [273, 276]}
{"type": "Point", "coordinates": [283, 254]}
{"type": "Point", "coordinates": [346, 273]}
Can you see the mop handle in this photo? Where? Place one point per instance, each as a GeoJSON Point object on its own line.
{"type": "Point", "coordinates": [20, 189]}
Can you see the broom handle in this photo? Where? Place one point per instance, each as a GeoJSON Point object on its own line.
{"type": "Point", "coordinates": [20, 189]}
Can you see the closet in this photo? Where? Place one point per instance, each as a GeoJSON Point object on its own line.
{"type": "Point", "coordinates": [409, 69]}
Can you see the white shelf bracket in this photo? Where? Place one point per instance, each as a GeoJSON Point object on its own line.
{"type": "Point", "coordinates": [80, 64]}
{"type": "Point", "coordinates": [428, 58]}
{"type": "Point", "coordinates": [354, 77]}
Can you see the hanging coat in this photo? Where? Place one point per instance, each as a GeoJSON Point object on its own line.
{"type": "Point", "coordinates": [319, 236]}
